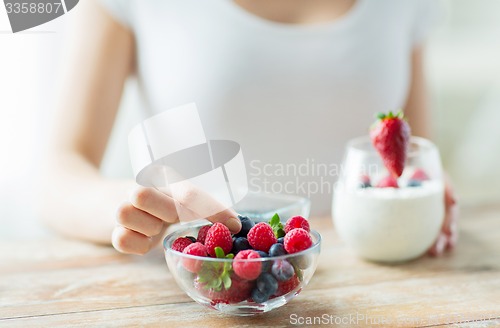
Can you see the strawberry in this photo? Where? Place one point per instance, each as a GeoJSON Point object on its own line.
{"type": "Point", "coordinates": [390, 136]}
{"type": "Point", "coordinates": [239, 291]}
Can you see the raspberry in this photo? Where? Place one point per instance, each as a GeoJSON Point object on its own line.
{"type": "Point", "coordinates": [297, 240]}
{"type": "Point", "coordinates": [388, 182]}
{"type": "Point", "coordinates": [297, 222]}
{"type": "Point", "coordinates": [248, 270]}
{"type": "Point", "coordinates": [218, 236]}
{"type": "Point", "coordinates": [364, 181]}
{"type": "Point", "coordinates": [202, 234]}
{"type": "Point", "coordinates": [197, 249]}
{"type": "Point", "coordinates": [180, 243]}
{"type": "Point", "coordinates": [419, 175]}
{"type": "Point", "coordinates": [261, 237]}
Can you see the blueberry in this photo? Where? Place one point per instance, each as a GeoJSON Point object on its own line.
{"type": "Point", "coordinates": [364, 181]}
{"type": "Point", "coordinates": [246, 225]}
{"type": "Point", "coordinates": [365, 185]}
{"type": "Point", "coordinates": [240, 244]}
{"type": "Point", "coordinates": [277, 250]}
{"type": "Point", "coordinates": [266, 265]}
{"type": "Point", "coordinates": [258, 296]}
{"type": "Point", "coordinates": [282, 270]}
{"type": "Point", "coordinates": [267, 284]}
{"type": "Point", "coordinates": [281, 240]}
{"type": "Point", "coordinates": [191, 238]}
{"type": "Point", "coordinates": [414, 183]}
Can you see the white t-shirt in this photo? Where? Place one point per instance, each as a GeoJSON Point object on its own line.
{"type": "Point", "coordinates": [291, 95]}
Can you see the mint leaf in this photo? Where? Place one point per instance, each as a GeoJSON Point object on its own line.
{"type": "Point", "coordinates": [275, 220]}
{"type": "Point", "coordinates": [219, 252]}
{"type": "Point", "coordinates": [276, 225]}
{"type": "Point", "coordinates": [226, 280]}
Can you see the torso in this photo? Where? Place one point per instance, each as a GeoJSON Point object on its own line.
{"type": "Point", "coordinates": [292, 86]}
{"type": "Point", "coordinates": [297, 11]}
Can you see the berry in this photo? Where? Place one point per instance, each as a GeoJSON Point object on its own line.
{"type": "Point", "coordinates": [249, 270]}
{"type": "Point", "coordinates": [197, 249]}
{"type": "Point", "coordinates": [282, 270]}
{"type": "Point", "coordinates": [281, 240]}
{"type": "Point", "coordinates": [284, 287]}
{"type": "Point", "coordinates": [266, 265]}
{"type": "Point", "coordinates": [388, 182]}
{"type": "Point", "coordinates": [246, 225]}
{"type": "Point", "coordinates": [414, 183]}
{"type": "Point", "coordinates": [277, 250]}
{"type": "Point", "coordinates": [202, 234]}
{"type": "Point", "coordinates": [239, 291]}
{"type": "Point", "coordinates": [267, 284]}
{"type": "Point", "coordinates": [364, 182]}
{"type": "Point", "coordinates": [297, 240]}
{"type": "Point", "coordinates": [261, 237]}
{"type": "Point", "coordinates": [218, 236]}
{"type": "Point", "coordinates": [296, 222]}
{"type": "Point", "coordinates": [191, 238]}
{"type": "Point", "coordinates": [239, 244]}
{"type": "Point", "coordinates": [390, 136]}
{"type": "Point", "coordinates": [419, 175]}
{"type": "Point", "coordinates": [180, 243]}
{"type": "Point", "coordinates": [258, 296]}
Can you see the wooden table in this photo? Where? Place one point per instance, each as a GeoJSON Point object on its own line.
{"type": "Point", "coordinates": [50, 281]}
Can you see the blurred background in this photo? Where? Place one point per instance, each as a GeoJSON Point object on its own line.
{"type": "Point", "coordinates": [463, 70]}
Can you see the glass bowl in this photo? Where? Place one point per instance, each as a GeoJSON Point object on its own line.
{"type": "Point", "coordinates": [236, 299]}
{"type": "Point", "coordinates": [262, 206]}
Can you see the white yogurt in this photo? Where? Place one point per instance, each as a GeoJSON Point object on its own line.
{"type": "Point", "coordinates": [388, 224]}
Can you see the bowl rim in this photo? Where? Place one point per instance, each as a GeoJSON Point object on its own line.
{"type": "Point", "coordinates": [178, 233]}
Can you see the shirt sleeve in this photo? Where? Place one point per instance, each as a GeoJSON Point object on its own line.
{"type": "Point", "coordinates": [119, 10]}
{"type": "Point", "coordinates": [428, 13]}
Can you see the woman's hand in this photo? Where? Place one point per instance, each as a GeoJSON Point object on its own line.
{"type": "Point", "coordinates": [142, 221]}
{"type": "Point", "coordinates": [448, 236]}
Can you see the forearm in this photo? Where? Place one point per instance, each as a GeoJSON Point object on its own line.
{"type": "Point", "coordinates": [76, 201]}
{"type": "Point", "coordinates": [417, 105]}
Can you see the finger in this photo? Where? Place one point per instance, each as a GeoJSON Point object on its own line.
{"type": "Point", "coordinates": [155, 203]}
{"type": "Point", "coordinates": [452, 239]}
{"type": "Point", "coordinates": [137, 220]}
{"type": "Point", "coordinates": [450, 198]}
{"type": "Point", "coordinates": [228, 218]}
{"type": "Point", "coordinates": [130, 242]}
{"type": "Point", "coordinates": [439, 246]}
{"type": "Point", "coordinates": [450, 219]}
{"type": "Point", "coordinates": [202, 205]}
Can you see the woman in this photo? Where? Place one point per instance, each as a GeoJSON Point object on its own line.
{"type": "Point", "coordinates": [291, 81]}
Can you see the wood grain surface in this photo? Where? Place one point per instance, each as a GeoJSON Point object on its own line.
{"type": "Point", "coordinates": [51, 281]}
